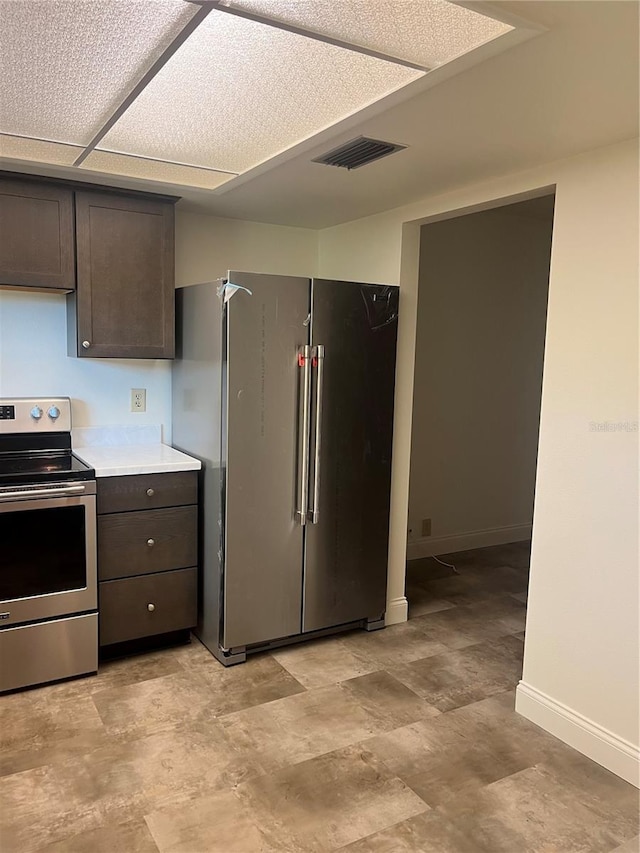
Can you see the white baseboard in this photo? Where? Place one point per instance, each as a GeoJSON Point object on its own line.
{"type": "Point", "coordinates": [397, 611]}
{"type": "Point", "coordinates": [606, 748]}
{"type": "Point", "coordinates": [431, 546]}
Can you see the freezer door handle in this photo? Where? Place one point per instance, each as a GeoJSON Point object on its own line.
{"type": "Point", "coordinates": [304, 364]}
{"type": "Point", "coordinates": [317, 362]}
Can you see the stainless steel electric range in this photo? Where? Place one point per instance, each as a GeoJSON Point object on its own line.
{"type": "Point", "coordinates": [48, 572]}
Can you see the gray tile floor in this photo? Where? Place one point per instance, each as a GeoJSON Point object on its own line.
{"type": "Point", "coordinates": [401, 740]}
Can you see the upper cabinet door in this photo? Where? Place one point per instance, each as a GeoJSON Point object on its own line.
{"type": "Point", "coordinates": [125, 264]}
{"type": "Point", "coordinates": [36, 236]}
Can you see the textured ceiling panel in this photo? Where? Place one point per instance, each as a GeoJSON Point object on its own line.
{"type": "Point", "coordinates": [66, 64]}
{"type": "Point", "coordinates": [238, 92]}
{"type": "Point", "coordinates": [38, 150]}
{"type": "Point", "coordinates": [154, 170]}
{"type": "Point", "coordinates": [427, 32]}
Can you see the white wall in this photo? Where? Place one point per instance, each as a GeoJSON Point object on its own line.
{"type": "Point", "coordinates": [33, 326]}
{"type": "Point", "coordinates": [208, 246]}
{"type": "Point", "coordinates": [478, 374]}
{"type": "Point", "coordinates": [581, 654]}
{"type": "Point", "coordinates": [34, 361]}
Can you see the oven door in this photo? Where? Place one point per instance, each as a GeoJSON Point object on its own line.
{"type": "Point", "coordinates": [47, 552]}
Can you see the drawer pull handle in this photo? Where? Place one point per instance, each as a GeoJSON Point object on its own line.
{"type": "Point", "coordinates": [151, 607]}
{"type": "Point", "coordinates": [151, 542]}
{"type": "Point", "coordinates": [86, 344]}
{"type": "Point", "coordinates": [150, 493]}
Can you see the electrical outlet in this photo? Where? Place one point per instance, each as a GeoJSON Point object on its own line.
{"type": "Point", "coordinates": [138, 399]}
{"type": "Point", "coordinates": [426, 527]}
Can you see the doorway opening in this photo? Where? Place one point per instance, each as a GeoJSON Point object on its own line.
{"type": "Point", "coordinates": [482, 305]}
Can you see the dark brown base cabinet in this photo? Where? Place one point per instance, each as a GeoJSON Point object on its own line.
{"type": "Point", "coordinates": [147, 555]}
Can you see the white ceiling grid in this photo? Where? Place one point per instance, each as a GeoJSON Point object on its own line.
{"type": "Point", "coordinates": [234, 94]}
{"type": "Point", "coordinates": [238, 92]}
{"type": "Point", "coordinates": [65, 65]}
{"type": "Point", "coordinates": [138, 167]}
{"type": "Point", "coordinates": [41, 151]}
{"type": "Point", "coordinates": [427, 32]}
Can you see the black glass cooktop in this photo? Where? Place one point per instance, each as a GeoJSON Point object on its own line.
{"type": "Point", "coordinates": [23, 469]}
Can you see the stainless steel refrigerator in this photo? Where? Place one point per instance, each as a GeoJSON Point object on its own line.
{"type": "Point", "coordinates": [284, 387]}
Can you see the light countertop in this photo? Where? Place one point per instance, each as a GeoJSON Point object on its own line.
{"type": "Point", "coordinates": [126, 459]}
{"type": "Point", "coordinates": [116, 452]}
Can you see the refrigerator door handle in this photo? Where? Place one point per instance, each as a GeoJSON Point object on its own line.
{"type": "Point", "coordinates": [304, 363]}
{"type": "Point", "coordinates": [317, 361]}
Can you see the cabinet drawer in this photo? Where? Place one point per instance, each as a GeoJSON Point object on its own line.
{"type": "Point", "coordinates": [148, 605]}
{"type": "Point", "coordinates": [137, 543]}
{"type": "Point", "coordinates": [147, 491]}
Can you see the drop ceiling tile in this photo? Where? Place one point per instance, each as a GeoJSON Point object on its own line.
{"type": "Point", "coordinates": [427, 32]}
{"type": "Point", "coordinates": [154, 170]}
{"type": "Point", "coordinates": [38, 150]}
{"type": "Point", "coordinates": [238, 92]}
{"type": "Point", "coordinates": [66, 64]}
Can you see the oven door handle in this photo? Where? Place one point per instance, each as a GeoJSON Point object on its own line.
{"type": "Point", "coordinates": [60, 491]}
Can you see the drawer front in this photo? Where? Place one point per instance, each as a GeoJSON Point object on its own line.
{"type": "Point", "coordinates": [148, 605]}
{"type": "Point", "coordinates": [137, 543]}
{"type": "Point", "coordinates": [147, 491]}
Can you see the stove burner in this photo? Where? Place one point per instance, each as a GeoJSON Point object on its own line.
{"type": "Point", "coordinates": [36, 450]}
{"type": "Point", "coordinates": [19, 468]}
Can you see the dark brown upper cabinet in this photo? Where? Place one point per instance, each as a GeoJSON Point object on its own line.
{"type": "Point", "coordinates": [36, 236]}
{"type": "Point", "coordinates": [124, 302]}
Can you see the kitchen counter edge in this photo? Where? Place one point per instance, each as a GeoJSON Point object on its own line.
{"type": "Point", "coordinates": [121, 461]}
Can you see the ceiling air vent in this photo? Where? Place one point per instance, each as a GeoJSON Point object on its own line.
{"type": "Point", "coordinates": [358, 152]}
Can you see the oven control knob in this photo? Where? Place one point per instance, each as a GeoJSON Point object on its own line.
{"type": "Point", "coordinates": [36, 413]}
{"type": "Point", "coordinates": [54, 413]}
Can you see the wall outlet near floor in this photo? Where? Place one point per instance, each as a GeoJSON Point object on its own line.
{"type": "Point", "coordinates": [426, 527]}
{"type": "Point", "coordinates": [138, 399]}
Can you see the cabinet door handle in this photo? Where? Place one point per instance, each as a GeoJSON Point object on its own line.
{"type": "Point", "coordinates": [151, 607]}
{"type": "Point", "coordinates": [86, 344]}
{"type": "Point", "coordinates": [151, 542]}
{"type": "Point", "coordinates": [150, 493]}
